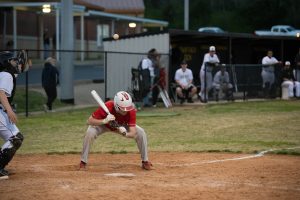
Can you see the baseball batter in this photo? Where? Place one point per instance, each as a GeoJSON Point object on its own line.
{"type": "Point", "coordinates": [9, 132]}
{"type": "Point", "coordinates": [123, 113]}
{"type": "Point", "coordinates": [209, 61]}
{"type": "Point", "coordinates": [267, 72]}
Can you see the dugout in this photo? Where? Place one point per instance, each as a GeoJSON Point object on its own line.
{"type": "Point", "coordinates": [232, 48]}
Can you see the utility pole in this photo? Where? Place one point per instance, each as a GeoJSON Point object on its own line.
{"type": "Point", "coordinates": [186, 15]}
{"type": "Point", "coordinates": [67, 43]}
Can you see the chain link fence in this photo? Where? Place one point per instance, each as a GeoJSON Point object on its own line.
{"type": "Point", "coordinates": [109, 72]}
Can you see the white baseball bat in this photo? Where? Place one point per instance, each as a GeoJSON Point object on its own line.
{"type": "Point", "coordinates": [103, 106]}
{"type": "Point", "coordinates": [99, 101]}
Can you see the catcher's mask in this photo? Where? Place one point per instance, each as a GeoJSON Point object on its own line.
{"type": "Point", "coordinates": [123, 102]}
{"type": "Point", "coordinates": [16, 65]}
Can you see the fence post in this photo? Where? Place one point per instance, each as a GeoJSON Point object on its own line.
{"type": "Point", "coordinates": [245, 84]}
{"type": "Point", "coordinates": [205, 96]}
{"type": "Point", "coordinates": [26, 94]}
{"type": "Point", "coordinates": [105, 74]}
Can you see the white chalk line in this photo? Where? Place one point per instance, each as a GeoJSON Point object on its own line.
{"type": "Point", "coordinates": [120, 174]}
{"type": "Point", "coordinates": [260, 154]}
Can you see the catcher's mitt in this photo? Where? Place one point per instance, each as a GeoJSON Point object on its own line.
{"type": "Point", "coordinates": [22, 58]}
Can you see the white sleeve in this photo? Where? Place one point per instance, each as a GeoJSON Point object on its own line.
{"type": "Point", "coordinates": [268, 61]}
{"type": "Point", "coordinates": [274, 60]}
{"type": "Point", "coordinates": [217, 59]}
{"type": "Point", "coordinates": [177, 75]}
{"type": "Point", "coordinates": [145, 64]}
{"type": "Point", "coordinates": [191, 75]}
{"type": "Point", "coordinates": [264, 61]}
{"type": "Point", "coordinates": [6, 83]}
{"type": "Point", "coordinates": [206, 58]}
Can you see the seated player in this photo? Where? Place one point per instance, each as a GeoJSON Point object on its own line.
{"type": "Point", "coordinates": [184, 79]}
{"type": "Point", "coordinates": [222, 84]}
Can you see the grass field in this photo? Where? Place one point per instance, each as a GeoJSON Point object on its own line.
{"type": "Point", "coordinates": [246, 127]}
{"type": "Point", "coordinates": [35, 101]}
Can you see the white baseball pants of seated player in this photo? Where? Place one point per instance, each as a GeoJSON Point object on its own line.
{"type": "Point", "coordinates": [290, 85]}
{"type": "Point", "coordinates": [297, 74]}
{"type": "Point", "coordinates": [94, 131]}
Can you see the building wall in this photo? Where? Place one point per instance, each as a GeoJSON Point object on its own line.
{"type": "Point", "coordinates": [28, 25]}
{"type": "Point", "coordinates": [125, 54]}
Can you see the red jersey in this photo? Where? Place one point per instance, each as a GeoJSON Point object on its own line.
{"type": "Point", "coordinates": [128, 120]}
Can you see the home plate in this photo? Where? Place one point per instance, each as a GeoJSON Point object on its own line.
{"type": "Point", "coordinates": [120, 174]}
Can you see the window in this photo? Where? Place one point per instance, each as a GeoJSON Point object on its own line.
{"type": "Point", "coordinates": [102, 32]}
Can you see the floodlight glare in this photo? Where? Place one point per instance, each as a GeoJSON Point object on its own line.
{"type": "Point", "coordinates": [132, 25]}
{"type": "Point", "coordinates": [46, 8]}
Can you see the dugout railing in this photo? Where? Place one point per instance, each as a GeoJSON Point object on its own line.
{"type": "Point", "coordinates": [246, 80]}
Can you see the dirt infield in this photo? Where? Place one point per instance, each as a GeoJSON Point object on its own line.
{"type": "Point", "coordinates": [175, 176]}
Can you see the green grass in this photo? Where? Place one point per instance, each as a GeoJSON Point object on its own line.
{"type": "Point", "coordinates": [35, 101]}
{"type": "Point", "coordinates": [246, 127]}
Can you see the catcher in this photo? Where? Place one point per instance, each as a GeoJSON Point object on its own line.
{"type": "Point", "coordinates": [122, 120]}
{"type": "Point", "coordinates": [10, 66]}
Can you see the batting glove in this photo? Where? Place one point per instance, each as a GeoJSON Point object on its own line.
{"type": "Point", "coordinates": [108, 118]}
{"type": "Point", "coordinates": [122, 130]}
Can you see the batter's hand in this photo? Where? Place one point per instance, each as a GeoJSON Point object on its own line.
{"type": "Point", "coordinates": [122, 130]}
{"type": "Point", "coordinates": [108, 119]}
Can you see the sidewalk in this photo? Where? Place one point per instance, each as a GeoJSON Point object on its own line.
{"type": "Point", "coordinates": [82, 95]}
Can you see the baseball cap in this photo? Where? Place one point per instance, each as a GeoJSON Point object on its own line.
{"type": "Point", "coordinates": [183, 62]}
{"type": "Point", "coordinates": [287, 63]}
{"type": "Point", "coordinates": [212, 48]}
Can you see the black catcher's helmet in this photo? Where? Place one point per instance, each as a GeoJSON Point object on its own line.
{"type": "Point", "coordinates": [20, 65]}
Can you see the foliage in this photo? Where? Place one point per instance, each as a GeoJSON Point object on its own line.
{"type": "Point", "coordinates": [231, 15]}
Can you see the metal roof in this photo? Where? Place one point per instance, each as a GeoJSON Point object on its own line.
{"type": "Point", "coordinates": [114, 6]}
{"type": "Point", "coordinates": [90, 12]}
{"type": "Point", "coordinates": [39, 4]}
{"type": "Point", "coordinates": [128, 18]}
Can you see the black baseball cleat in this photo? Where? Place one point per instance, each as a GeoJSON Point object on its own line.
{"type": "Point", "coordinates": [190, 100]}
{"type": "Point", "coordinates": [3, 174]}
{"type": "Point", "coordinates": [182, 100]}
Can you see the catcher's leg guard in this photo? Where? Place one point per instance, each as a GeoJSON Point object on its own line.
{"type": "Point", "coordinates": [6, 154]}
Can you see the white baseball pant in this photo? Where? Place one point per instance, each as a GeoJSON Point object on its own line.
{"type": "Point", "coordinates": [94, 131]}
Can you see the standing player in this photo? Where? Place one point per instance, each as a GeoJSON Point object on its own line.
{"type": "Point", "coordinates": [210, 60]}
{"type": "Point", "coordinates": [267, 73]}
{"type": "Point", "coordinates": [123, 112]}
{"type": "Point", "coordinates": [9, 132]}
{"type": "Point", "coordinates": [297, 67]}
